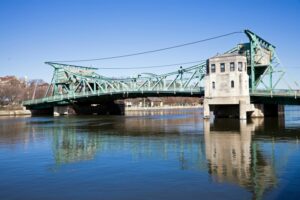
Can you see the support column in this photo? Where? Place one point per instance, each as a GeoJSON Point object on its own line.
{"type": "Point", "coordinates": [60, 110]}
{"type": "Point", "coordinates": [206, 126]}
{"type": "Point", "coordinates": [243, 112]}
{"type": "Point", "coordinates": [206, 110]}
{"type": "Point", "coordinates": [281, 110]}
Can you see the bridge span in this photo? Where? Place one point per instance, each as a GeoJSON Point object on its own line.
{"type": "Point", "coordinates": [246, 76]}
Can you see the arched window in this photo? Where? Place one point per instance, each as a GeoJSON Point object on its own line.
{"type": "Point", "coordinates": [232, 84]}
{"type": "Point", "coordinates": [213, 85]}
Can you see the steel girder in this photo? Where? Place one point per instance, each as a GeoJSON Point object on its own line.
{"type": "Point", "coordinates": [72, 79]}
{"type": "Point", "coordinates": [263, 63]}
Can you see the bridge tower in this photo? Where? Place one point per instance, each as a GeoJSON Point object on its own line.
{"type": "Point", "coordinates": [227, 86]}
{"type": "Point", "coordinates": [232, 79]}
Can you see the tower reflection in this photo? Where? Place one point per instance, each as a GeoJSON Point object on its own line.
{"type": "Point", "coordinates": [234, 156]}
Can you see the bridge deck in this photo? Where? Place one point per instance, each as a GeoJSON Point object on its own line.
{"type": "Point", "coordinates": [281, 97]}
{"type": "Point", "coordinates": [284, 97]}
{"type": "Point", "coordinates": [100, 97]}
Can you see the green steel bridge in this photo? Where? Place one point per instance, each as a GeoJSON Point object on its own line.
{"type": "Point", "coordinates": [74, 85]}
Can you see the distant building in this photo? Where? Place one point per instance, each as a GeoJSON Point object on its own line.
{"type": "Point", "coordinates": [144, 102]}
{"type": "Point", "coordinates": [163, 101]}
{"type": "Point", "coordinates": [154, 101]}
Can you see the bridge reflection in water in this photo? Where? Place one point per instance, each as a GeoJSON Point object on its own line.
{"type": "Point", "coordinates": [229, 151]}
{"type": "Point", "coordinates": [245, 154]}
{"type": "Point", "coordinates": [148, 136]}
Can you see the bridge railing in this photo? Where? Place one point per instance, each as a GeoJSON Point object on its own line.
{"type": "Point", "coordinates": [74, 96]}
{"type": "Point", "coordinates": [277, 92]}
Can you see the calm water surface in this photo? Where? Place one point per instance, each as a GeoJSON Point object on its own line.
{"type": "Point", "coordinates": [152, 155]}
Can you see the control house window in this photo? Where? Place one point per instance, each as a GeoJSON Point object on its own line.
{"type": "Point", "coordinates": [213, 85]}
{"type": "Point", "coordinates": [240, 66]}
{"type": "Point", "coordinates": [232, 84]}
{"type": "Point", "coordinates": [232, 67]}
{"type": "Point", "coordinates": [222, 67]}
{"type": "Point", "coordinates": [213, 68]}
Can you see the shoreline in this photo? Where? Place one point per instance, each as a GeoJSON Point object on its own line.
{"type": "Point", "coordinates": [160, 108]}
{"type": "Point", "coordinates": [15, 112]}
{"type": "Point", "coordinates": [127, 109]}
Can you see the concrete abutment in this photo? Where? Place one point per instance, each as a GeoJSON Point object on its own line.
{"type": "Point", "coordinates": [267, 110]}
{"type": "Point", "coordinates": [243, 111]}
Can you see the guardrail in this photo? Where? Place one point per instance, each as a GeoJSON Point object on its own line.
{"type": "Point", "coordinates": [277, 93]}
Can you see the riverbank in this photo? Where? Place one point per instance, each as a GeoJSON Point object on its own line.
{"type": "Point", "coordinates": [14, 112]}
{"type": "Point", "coordinates": [21, 112]}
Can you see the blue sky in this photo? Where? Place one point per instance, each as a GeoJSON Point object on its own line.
{"type": "Point", "coordinates": [35, 31]}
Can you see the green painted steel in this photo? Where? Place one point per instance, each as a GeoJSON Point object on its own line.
{"type": "Point", "coordinates": [72, 82]}
{"type": "Point", "coordinates": [263, 62]}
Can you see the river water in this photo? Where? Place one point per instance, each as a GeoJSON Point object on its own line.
{"type": "Point", "coordinates": [150, 155]}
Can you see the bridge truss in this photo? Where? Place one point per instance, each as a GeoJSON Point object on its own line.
{"type": "Point", "coordinates": [70, 82]}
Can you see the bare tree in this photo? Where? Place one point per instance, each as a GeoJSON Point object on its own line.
{"type": "Point", "coordinates": [11, 91]}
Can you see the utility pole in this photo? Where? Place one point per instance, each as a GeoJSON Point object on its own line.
{"type": "Point", "coordinates": [33, 94]}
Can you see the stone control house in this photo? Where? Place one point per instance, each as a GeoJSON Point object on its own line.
{"type": "Point", "coordinates": [227, 86]}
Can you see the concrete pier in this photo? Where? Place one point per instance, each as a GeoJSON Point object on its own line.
{"type": "Point", "coordinates": [267, 110]}
{"type": "Point", "coordinates": [243, 110]}
{"type": "Point", "coordinates": [206, 110]}
{"type": "Point", "coordinates": [62, 110]}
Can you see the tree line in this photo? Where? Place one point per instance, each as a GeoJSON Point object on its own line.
{"type": "Point", "coordinates": [14, 90]}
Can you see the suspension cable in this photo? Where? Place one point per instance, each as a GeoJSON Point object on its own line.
{"type": "Point", "coordinates": [153, 51]}
{"type": "Point", "coordinates": [155, 66]}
